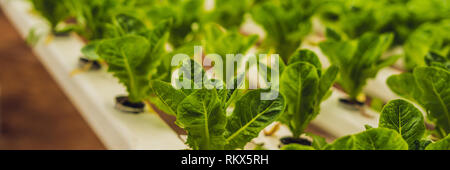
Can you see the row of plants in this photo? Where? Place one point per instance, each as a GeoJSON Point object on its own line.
{"type": "Point", "coordinates": [136, 40]}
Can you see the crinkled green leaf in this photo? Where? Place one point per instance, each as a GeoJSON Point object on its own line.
{"type": "Point", "coordinates": [403, 117]}
{"type": "Point", "coordinates": [201, 114]}
{"type": "Point", "coordinates": [250, 116]}
{"type": "Point", "coordinates": [436, 97]}
{"type": "Point", "coordinates": [405, 85]}
{"type": "Point", "coordinates": [428, 87]}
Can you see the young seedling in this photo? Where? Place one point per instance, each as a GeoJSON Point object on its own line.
{"type": "Point", "coordinates": [358, 60]}
{"type": "Point", "coordinates": [305, 85]}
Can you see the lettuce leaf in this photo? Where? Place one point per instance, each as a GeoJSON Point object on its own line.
{"type": "Point", "coordinates": [133, 59]}
{"type": "Point", "coordinates": [202, 116]}
{"type": "Point", "coordinates": [125, 57]}
{"type": "Point", "coordinates": [304, 87]}
{"type": "Point", "coordinates": [250, 116]}
{"type": "Point", "coordinates": [404, 118]}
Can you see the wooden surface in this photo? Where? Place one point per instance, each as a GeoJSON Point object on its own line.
{"type": "Point", "coordinates": [34, 112]}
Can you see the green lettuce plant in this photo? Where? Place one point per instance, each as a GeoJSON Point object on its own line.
{"type": "Point", "coordinates": [428, 87]}
{"type": "Point", "coordinates": [305, 86]}
{"type": "Point", "coordinates": [203, 114]}
{"type": "Point", "coordinates": [133, 59]}
{"type": "Point", "coordinates": [358, 60]}
{"type": "Point", "coordinates": [401, 127]}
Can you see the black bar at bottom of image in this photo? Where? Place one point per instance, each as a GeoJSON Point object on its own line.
{"type": "Point", "coordinates": [216, 159]}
